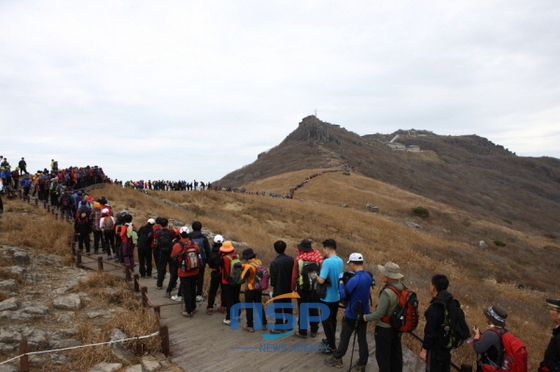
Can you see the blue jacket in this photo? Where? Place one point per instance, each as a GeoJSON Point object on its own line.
{"type": "Point", "coordinates": [357, 289]}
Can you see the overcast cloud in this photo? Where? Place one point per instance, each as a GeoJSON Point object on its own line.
{"type": "Point", "coordinates": [196, 89]}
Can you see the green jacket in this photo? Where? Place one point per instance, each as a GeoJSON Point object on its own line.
{"type": "Point", "coordinates": [387, 304]}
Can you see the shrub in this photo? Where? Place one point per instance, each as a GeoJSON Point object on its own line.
{"type": "Point", "coordinates": [500, 243]}
{"type": "Point", "coordinates": [346, 173]}
{"type": "Point", "coordinates": [421, 212]}
{"type": "Point", "coordinates": [551, 236]}
{"type": "Point", "coordinates": [507, 221]}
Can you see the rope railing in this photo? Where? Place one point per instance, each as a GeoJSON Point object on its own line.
{"type": "Point", "coordinates": [24, 354]}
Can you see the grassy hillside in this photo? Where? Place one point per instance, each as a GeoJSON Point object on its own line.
{"type": "Point", "coordinates": [446, 242]}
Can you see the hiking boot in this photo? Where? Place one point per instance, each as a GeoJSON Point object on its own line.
{"type": "Point", "coordinates": [210, 311]}
{"type": "Point", "coordinates": [298, 334]}
{"type": "Point", "coordinates": [188, 315]}
{"type": "Point", "coordinates": [275, 331]}
{"type": "Point", "coordinates": [167, 295]}
{"type": "Point", "coordinates": [328, 350]}
{"type": "Point", "coordinates": [334, 362]}
{"type": "Point", "coordinates": [324, 341]}
{"type": "Point", "coordinates": [199, 298]}
{"type": "Point", "coordinates": [226, 321]}
{"type": "Point", "coordinates": [313, 334]}
{"type": "Point", "coordinates": [222, 309]}
{"type": "Point", "coordinates": [264, 328]}
{"type": "Point", "coordinates": [159, 288]}
{"type": "Point", "coordinates": [249, 329]}
{"type": "Point", "coordinates": [358, 368]}
{"type": "Point", "coordinates": [177, 298]}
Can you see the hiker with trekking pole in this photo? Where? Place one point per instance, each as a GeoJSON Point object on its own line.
{"type": "Point", "coordinates": [355, 292]}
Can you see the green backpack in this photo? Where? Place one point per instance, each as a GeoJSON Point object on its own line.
{"type": "Point", "coordinates": [132, 234]}
{"type": "Point", "coordinates": [236, 269]}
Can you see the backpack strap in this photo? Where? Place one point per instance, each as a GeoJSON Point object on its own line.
{"type": "Point", "coordinates": [387, 318]}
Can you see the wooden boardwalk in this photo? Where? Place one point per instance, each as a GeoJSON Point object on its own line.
{"type": "Point", "coordinates": [205, 343]}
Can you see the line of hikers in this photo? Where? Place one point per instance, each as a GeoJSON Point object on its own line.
{"type": "Point", "coordinates": [316, 277]}
{"type": "Point", "coordinates": [160, 185]}
{"type": "Point", "coordinates": [319, 278]}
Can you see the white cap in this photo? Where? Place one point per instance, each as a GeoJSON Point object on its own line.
{"type": "Point", "coordinates": [355, 257]}
{"type": "Point", "coordinates": [151, 221]}
{"type": "Point", "coordinates": [105, 211]}
{"type": "Point", "coordinates": [218, 239]}
{"type": "Point", "coordinates": [184, 229]}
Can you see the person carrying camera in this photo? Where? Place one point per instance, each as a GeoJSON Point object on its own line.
{"type": "Point", "coordinates": [357, 293]}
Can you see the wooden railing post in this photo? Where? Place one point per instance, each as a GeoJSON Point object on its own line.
{"type": "Point", "coordinates": [157, 310]}
{"type": "Point", "coordinates": [24, 359]}
{"type": "Point", "coordinates": [136, 283]}
{"type": "Point", "coordinates": [78, 258]}
{"type": "Point", "coordinates": [164, 334]}
{"type": "Point", "coordinates": [144, 291]}
{"type": "Point", "coordinates": [128, 273]}
{"type": "Point", "coordinates": [100, 263]}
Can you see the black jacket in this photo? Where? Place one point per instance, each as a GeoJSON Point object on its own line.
{"type": "Point", "coordinates": [552, 353]}
{"type": "Point", "coordinates": [196, 234]}
{"type": "Point", "coordinates": [145, 236]}
{"type": "Point", "coordinates": [435, 318]}
{"type": "Point", "coordinates": [281, 274]}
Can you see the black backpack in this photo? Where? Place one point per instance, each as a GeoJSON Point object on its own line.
{"type": "Point", "coordinates": [307, 281]}
{"type": "Point", "coordinates": [164, 241]}
{"type": "Point", "coordinates": [201, 247]}
{"type": "Point", "coordinates": [454, 330]}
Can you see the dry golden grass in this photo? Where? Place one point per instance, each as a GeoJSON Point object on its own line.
{"type": "Point", "coordinates": [27, 226]}
{"type": "Point", "coordinates": [447, 243]}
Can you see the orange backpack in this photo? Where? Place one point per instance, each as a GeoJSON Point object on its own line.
{"type": "Point", "coordinates": [405, 316]}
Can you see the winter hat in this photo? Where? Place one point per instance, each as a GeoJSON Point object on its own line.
{"type": "Point", "coordinates": [227, 247]}
{"type": "Point", "coordinates": [497, 315]}
{"type": "Point", "coordinates": [248, 254]}
{"type": "Point", "coordinates": [390, 270]}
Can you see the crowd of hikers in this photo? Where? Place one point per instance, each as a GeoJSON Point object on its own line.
{"type": "Point", "coordinates": [317, 277]}
{"type": "Point", "coordinates": [165, 185]}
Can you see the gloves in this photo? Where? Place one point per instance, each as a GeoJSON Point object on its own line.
{"type": "Point", "coordinates": [361, 318]}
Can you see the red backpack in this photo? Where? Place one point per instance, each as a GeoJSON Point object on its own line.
{"type": "Point", "coordinates": [188, 257]}
{"type": "Point", "coordinates": [515, 352]}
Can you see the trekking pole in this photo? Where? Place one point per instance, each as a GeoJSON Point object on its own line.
{"type": "Point", "coordinates": [355, 334]}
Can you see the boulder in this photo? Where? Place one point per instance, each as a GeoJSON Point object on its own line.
{"type": "Point", "coordinates": [150, 364]}
{"type": "Point", "coordinates": [106, 367]}
{"type": "Point", "coordinates": [8, 285]}
{"type": "Point", "coordinates": [10, 304]}
{"type": "Point", "coordinates": [68, 302]}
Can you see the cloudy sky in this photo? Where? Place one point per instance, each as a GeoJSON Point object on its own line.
{"type": "Point", "coordinates": [196, 89]}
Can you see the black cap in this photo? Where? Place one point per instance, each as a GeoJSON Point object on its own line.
{"type": "Point", "coordinates": [248, 254]}
{"type": "Point", "coordinates": [555, 304]}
